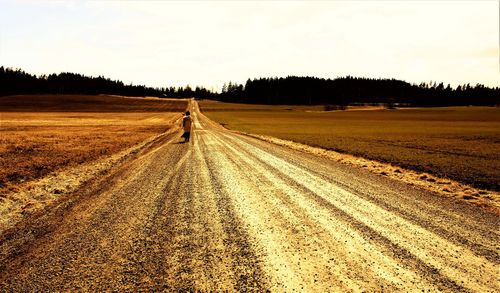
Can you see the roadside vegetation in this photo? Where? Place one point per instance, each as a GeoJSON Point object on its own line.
{"type": "Point", "coordinates": [40, 135]}
{"type": "Point", "coordinates": [459, 143]}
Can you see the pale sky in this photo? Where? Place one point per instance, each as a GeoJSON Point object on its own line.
{"type": "Point", "coordinates": [175, 43]}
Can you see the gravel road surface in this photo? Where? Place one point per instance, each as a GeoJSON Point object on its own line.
{"type": "Point", "coordinates": [226, 211]}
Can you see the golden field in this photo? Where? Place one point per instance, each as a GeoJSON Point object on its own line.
{"type": "Point", "coordinates": [459, 143]}
{"type": "Point", "coordinates": [46, 138]}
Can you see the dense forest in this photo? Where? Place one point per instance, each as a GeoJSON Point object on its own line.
{"type": "Point", "coordinates": [290, 90]}
{"type": "Point", "coordinates": [16, 82]}
{"type": "Point", "coordinates": [352, 90]}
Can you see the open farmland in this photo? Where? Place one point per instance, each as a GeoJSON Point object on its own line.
{"type": "Point", "coordinates": [460, 143]}
{"type": "Point", "coordinates": [43, 134]}
{"type": "Point", "coordinates": [211, 105]}
{"type": "Point", "coordinates": [88, 103]}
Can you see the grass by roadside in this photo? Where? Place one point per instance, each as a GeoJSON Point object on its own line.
{"type": "Point", "coordinates": [460, 143]}
{"type": "Point", "coordinates": [64, 131]}
{"type": "Point", "coordinates": [33, 145]}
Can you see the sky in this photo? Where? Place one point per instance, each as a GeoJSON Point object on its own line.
{"type": "Point", "coordinates": [208, 43]}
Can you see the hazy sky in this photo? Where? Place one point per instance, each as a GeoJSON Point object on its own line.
{"type": "Point", "coordinates": [160, 43]}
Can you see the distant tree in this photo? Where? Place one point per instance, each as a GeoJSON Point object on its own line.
{"type": "Point", "coordinates": [348, 90]}
{"type": "Point", "coordinates": [16, 81]}
{"type": "Point", "coordinates": [296, 90]}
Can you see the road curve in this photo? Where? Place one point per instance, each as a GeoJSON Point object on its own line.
{"type": "Point", "coordinates": [231, 212]}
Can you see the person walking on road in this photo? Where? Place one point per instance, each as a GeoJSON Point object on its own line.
{"type": "Point", "coordinates": [186, 125]}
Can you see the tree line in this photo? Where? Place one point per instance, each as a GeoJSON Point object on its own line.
{"type": "Point", "coordinates": [353, 90]}
{"type": "Point", "coordinates": [294, 90]}
{"type": "Point", "coordinates": [17, 82]}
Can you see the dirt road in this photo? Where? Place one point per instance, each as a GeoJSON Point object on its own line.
{"type": "Point", "coordinates": [226, 211]}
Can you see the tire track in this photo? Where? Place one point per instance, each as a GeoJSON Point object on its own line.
{"type": "Point", "coordinates": [245, 262]}
{"type": "Point", "coordinates": [355, 271]}
{"type": "Point", "coordinates": [427, 216]}
{"type": "Point", "coordinates": [95, 248]}
{"type": "Point", "coordinates": [454, 261]}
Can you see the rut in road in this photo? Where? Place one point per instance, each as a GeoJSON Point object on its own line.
{"type": "Point", "coordinates": [226, 211]}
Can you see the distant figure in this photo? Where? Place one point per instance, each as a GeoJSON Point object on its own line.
{"type": "Point", "coordinates": [186, 125]}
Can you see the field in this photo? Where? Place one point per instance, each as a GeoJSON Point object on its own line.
{"type": "Point", "coordinates": [210, 105]}
{"type": "Point", "coordinates": [43, 134]}
{"type": "Point", "coordinates": [86, 103]}
{"type": "Point", "coordinates": [460, 143]}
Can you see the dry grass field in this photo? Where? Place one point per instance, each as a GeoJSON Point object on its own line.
{"type": "Point", "coordinates": [211, 105]}
{"type": "Point", "coordinates": [460, 143]}
{"type": "Point", "coordinates": [42, 134]}
{"type": "Point", "coordinates": [87, 103]}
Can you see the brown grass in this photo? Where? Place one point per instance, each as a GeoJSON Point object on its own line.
{"type": "Point", "coordinates": [86, 103]}
{"type": "Point", "coordinates": [35, 144]}
{"type": "Point", "coordinates": [210, 105]}
{"type": "Point", "coordinates": [461, 143]}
